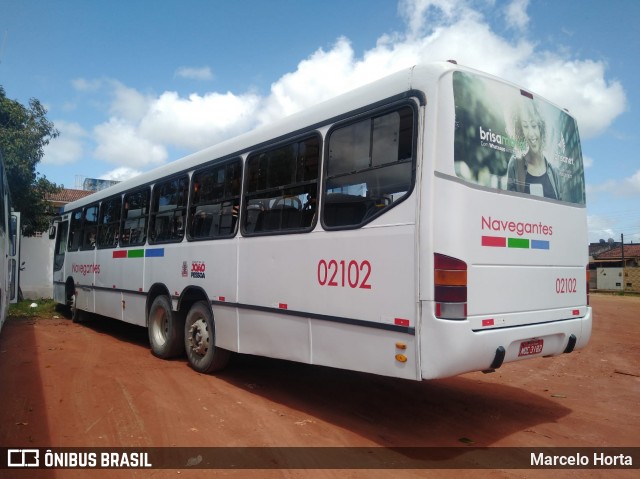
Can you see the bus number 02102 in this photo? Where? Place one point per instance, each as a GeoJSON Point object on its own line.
{"type": "Point", "coordinates": [566, 285]}
{"type": "Point", "coordinates": [343, 273]}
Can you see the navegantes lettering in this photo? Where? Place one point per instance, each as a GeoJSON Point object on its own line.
{"type": "Point", "coordinates": [518, 227]}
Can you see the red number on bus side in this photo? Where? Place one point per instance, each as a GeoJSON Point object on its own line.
{"type": "Point", "coordinates": [343, 273]}
{"type": "Point", "coordinates": [566, 285]}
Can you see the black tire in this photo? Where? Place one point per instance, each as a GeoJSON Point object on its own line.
{"type": "Point", "coordinates": [200, 340]}
{"type": "Point", "coordinates": [77, 315]}
{"type": "Point", "coordinates": [166, 330]}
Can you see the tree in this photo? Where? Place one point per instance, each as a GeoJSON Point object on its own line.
{"type": "Point", "coordinates": [24, 132]}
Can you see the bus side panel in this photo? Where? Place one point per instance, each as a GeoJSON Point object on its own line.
{"type": "Point", "coordinates": [361, 282]}
{"type": "Point", "coordinates": [365, 349]}
{"type": "Point", "coordinates": [207, 265]}
{"type": "Point", "coordinates": [82, 266]}
{"type": "Point", "coordinates": [108, 296]}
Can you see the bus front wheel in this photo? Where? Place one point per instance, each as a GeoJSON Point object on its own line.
{"type": "Point", "coordinates": [200, 340]}
{"type": "Point", "coordinates": [165, 329]}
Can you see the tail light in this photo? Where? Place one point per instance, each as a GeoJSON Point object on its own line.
{"type": "Point", "coordinates": [450, 287]}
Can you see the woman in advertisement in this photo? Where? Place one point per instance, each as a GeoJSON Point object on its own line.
{"type": "Point", "coordinates": [531, 172]}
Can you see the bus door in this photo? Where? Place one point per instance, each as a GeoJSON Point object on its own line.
{"type": "Point", "coordinates": [60, 231]}
{"type": "Point", "coordinates": [14, 259]}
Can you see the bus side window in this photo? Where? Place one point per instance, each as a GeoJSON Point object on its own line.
{"type": "Point", "coordinates": [109, 222]}
{"type": "Point", "coordinates": [169, 208]}
{"type": "Point", "coordinates": [282, 188]}
{"type": "Point", "coordinates": [135, 213]}
{"type": "Point", "coordinates": [75, 232]}
{"type": "Point", "coordinates": [215, 201]}
{"type": "Point", "coordinates": [90, 227]}
{"type": "Point", "coordinates": [370, 167]}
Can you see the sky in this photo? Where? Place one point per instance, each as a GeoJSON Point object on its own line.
{"type": "Point", "coordinates": [132, 84]}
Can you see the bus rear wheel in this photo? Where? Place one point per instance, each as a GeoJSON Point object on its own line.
{"type": "Point", "coordinates": [199, 340]}
{"type": "Point", "coordinates": [165, 329]}
{"type": "Point", "coordinates": [77, 316]}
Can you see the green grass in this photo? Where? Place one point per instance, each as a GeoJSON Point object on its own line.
{"type": "Point", "coordinates": [44, 308]}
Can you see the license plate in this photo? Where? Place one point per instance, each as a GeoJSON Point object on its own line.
{"type": "Point", "coordinates": [531, 347]}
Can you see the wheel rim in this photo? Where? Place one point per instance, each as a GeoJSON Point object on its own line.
{"type": "Point", "coordinates": [160, 327]}
{"type": "Point", "coordinates": [199, 337]}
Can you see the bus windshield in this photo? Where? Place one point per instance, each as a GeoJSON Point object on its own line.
{"type": "Point", "coordinates": [507, 139]}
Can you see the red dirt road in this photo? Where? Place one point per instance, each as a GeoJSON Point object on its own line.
{"type": "Point", "coordinates": [96, 384]}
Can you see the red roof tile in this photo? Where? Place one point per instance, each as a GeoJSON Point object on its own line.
{"type": "Point", "coordinates": [630, 251]}
{"type": "Point", "coordinates": [67, 196]}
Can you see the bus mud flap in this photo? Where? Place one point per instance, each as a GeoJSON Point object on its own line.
{"type": "Point", "coordinates": [571, 344]}
{"type": "Point", "coordinates": [498, 358]}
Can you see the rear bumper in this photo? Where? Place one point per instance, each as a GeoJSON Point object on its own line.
{"type": "Point", "coordinates": [449, 348]}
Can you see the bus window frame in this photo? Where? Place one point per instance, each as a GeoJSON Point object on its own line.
{"type": "Point", "coordinates": [295, 184]}
{"type": "Point", "coordinates": [123, 220]}
{"type": "Point", "coordinates": [116, 223]}
{"type": "Point", "coordinates": [371, 115]}
{"type": "Point", "coordinates": [154, 211]}
{"type": "Point", "coordinates": [191, 207]}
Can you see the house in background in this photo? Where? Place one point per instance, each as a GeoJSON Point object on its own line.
{"type": "Point", "coordinates": [36, 253]}
{"type": "Point", "coordinates": [616, 268]}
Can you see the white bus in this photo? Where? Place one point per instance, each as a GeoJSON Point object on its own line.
{"type": "Point", "coordinates": [9, 247]}
{"type": "Point", "coordinates": [429, 224]}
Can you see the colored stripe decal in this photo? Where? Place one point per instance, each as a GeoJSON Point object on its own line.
{"type": "Point", "coordinates": [539, 244]}
{"type": "Point", "coordinates": [139, 253]}
{"type": "Point", "coordinates": [494, 241]}
{"type": "Point", "coordinates": [518, 243]}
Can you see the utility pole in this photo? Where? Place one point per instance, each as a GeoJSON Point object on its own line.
{"type": "Point", "coordinates": [623, 277]}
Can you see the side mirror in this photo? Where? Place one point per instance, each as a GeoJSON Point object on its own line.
{"type": "Point", "coordinates": [52, 232]}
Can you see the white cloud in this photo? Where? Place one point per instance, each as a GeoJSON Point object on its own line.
{"type": "Point", "coordinates": [516, 14]}
{"type": "Point", "coordinates": [82, 84]}
{"type": "Point", "coordinates": [143, 128]}
{"type": "Point", "coordinates": [120, 144]}
{"type": "Point", "coordinates": [120, 174]}
{"type": "Point", "coordinates": [600, 227]}
{"type": "Point", "coordinates": [203, 73]}
{"type": "Point", "coordinates": [128, 103]}
{"type": "Point", "coordinates": [199, 120]}
{"type": "Point", "coordinates": [625, 187]}
{"type": "Point", "coordinates": [587, 161]}
{"type": "Point", "coordinates": [68, 147]}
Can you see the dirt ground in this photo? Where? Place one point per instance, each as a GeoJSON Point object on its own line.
{"type": "Point", "coordinates": [96, 384]}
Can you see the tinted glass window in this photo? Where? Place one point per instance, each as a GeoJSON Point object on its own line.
{"type": "Point", "coordinates": [370, 167]}
{"type": "Point", "coordinates": [109, 222]}
{"type": "Point", "coordinates": [215, 203]}
{"type": "Point", "coordinates": [282, 188]}
{"type": "Point", "coordinates": [135, 213]}
{"type": "Point", "coordinates": [169, 210]}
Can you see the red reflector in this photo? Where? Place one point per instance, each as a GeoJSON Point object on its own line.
{"type": "Point", "coordinates": [487, 322]}
{"type": "Point", "coordinates": [282, 306]}
{"type": "Point", "coordinates": [576, 312]}
{"type": "Point", "coordinates": [221, 298]}
{"type": "Point", "coordinates": [401, 322]}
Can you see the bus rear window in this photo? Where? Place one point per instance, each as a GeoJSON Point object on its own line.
{"type": "Point", "coordinates": [509, 139]}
